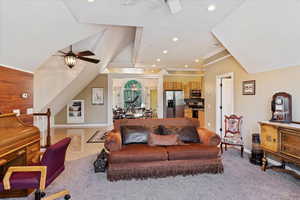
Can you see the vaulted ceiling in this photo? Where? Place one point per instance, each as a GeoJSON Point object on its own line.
{"type": "Point", "coordinates": [261, 34]}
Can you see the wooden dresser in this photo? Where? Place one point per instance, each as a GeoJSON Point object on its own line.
{"type": "Point", "coordinates": [19, 143]}
{"type": "Point", "coordinates": [281, 141]}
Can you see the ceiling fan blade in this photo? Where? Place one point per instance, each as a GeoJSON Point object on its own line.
{"type": "Point", "coordinates": [92, 60]}
{"type": "Point", "coordinates": [85, 53]}
{"type": "Point", "coordinates": [62, 52]}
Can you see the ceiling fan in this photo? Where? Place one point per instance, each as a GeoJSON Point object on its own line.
{"type": "Point", "coordinates": [71, 57]}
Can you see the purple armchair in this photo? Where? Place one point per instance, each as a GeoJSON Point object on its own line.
{"type": "Point", "coordinates": [39, 175]}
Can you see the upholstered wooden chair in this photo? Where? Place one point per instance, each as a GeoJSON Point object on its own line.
{"type": "Point", "coordinates": [233, 134]}
{"type": "Point", "coordinates": [41, 174]}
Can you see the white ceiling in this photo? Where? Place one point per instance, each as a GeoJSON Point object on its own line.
{"type": "Point", "coordinates": [192, 26]}
{"type": "Point", "coordinates": [263, 35]}
{"type": "Point", "coordinates": [33, 30]}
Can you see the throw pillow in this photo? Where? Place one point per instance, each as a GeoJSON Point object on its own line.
{"type": "Point", "coordinates": [135, 134]}
{"type": "Point", "coordinates": [163, 140]}
{"type": "Point", "coordinates": [187, 134]}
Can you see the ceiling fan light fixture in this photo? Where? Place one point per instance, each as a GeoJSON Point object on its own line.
{"type": "Point", "coordinates": [175, 39]}
{"type": "Point", "coordinates": [70, 60]}
{"type": "Point", "coordinates": [211, 7]}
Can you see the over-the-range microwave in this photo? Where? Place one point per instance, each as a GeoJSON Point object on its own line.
{"type": "Point", "coordinates": [195, 94]}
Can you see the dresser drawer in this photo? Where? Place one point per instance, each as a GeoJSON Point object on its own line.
{"type": "Point", "coordinates": [290, 141]}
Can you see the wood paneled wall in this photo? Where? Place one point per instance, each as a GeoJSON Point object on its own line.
{"type": "Point", "coordinates": [12, 84]}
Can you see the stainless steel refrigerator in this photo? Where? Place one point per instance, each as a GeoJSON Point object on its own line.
{"type": "Point", "coordinates": [173, 104]}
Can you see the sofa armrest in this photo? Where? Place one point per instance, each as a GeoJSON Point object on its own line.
{"type": "Point", "coordinates": [208, 137]}
{"type": "Point", "coordinates": [113, 141]}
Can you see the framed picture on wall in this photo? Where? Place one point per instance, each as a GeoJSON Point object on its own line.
{"type": "Point", "coordinates": [249, 87]}
{"type": "Point", "coordinates": [97, 96]}
{"type": "Point", "coordinates": [75, 111]}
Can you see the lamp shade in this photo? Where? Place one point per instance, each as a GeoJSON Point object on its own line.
{"type": "Point", "coordinates": [70, 60]}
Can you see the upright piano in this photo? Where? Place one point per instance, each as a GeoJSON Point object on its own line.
{"type": "Point", "coordinates": [19, 143]}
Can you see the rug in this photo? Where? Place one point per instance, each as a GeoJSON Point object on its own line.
{"type": "Point", "coordinates": [98, 137]}
{"type": "Point", "coordinates": [240, 181]}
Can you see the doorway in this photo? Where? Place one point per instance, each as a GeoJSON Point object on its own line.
{"type": "Point", "coordinates": [224, 100]}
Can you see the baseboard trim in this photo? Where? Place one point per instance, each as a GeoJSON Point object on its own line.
{"type": "Point", "coordinates": [79, 125]}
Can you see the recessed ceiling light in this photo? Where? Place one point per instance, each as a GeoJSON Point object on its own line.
{"type": "Point", "coordinates": [197, 60]}
{"type": "Point", "coordinates": [186, 66]}
{"type": "Point", "coordinates": [211, 7]}
{"type": "Point", "coordinates": [158, 59]}
{"type": "Point", "coordinates": [91, 1]}
{"type": "Point", "coordinates": [175, 39]}
{"type": "Point", "coordinates": [165, 51]}
{"type": "Point", "coordinates": [154, 65]}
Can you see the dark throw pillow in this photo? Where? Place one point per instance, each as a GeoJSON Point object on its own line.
{"type": "Point", "coordinates": [135, 134]}
{"type": "Point", "coordinates": [189, 134]}
{"type": "Point", "coordinates": [186, 134]}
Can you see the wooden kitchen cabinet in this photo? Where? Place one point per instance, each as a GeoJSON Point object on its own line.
{"type": "Point", "coordinates": [188, 113]}
{"type": "Point", "coordinates": [201, 118]}
{"type": "Point", "coordinates": [173, 85]}
{"type": "Point", "coordinates": [195, 85]}
{"type": "Point", "coordinates": [186, 91]}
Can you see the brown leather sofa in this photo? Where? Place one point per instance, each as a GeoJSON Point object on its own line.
{"type": "Point", "coordinates": [140, 161]}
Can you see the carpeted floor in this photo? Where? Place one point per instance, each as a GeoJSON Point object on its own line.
{"type": "Point", "coordinates": [240, 181]}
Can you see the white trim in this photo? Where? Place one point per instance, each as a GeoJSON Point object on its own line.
{"type": "Point", "coordinates": [79, 125]}
{"type": "Point", "coordinates": [274, 162]}
{"type": "Point", "coordinates": [15, 68]}
{"type": "Point", "coordinates": [214, 52]}
{"type": "Point", "coordinates": [182, 69]}
{"type": "Point", "coordinates": [109, 99]}
{"type": "Point", "coordinates": [217, 60]}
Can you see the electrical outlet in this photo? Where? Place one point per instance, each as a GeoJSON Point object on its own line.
{"type": "Point", "coordinates": [29, 111]}
{"type": "Point", "coordinates": [208, 124]}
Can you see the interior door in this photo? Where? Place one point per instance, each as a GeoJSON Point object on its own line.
{"type": "Point", "coordinates": [225, 106]}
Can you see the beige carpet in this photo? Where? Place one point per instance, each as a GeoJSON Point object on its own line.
{"type": "Point", "coordinates": [240, 181]}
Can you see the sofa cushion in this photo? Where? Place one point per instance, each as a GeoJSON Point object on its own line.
{"type": "Point", "coordinates": [163, 140]}
{"type": "Point", "coordinates": [187, 134]}
{"type": "Point", "coordinates": [135, 134]}
{"type": "Point", "coordinates": [138, 153]}
{"type": "Point", "coordinates": [192, 151]}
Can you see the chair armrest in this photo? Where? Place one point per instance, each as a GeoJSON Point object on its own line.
{"type": "Point", "coordinates": [11, 170]}
{"type": "Point", "coordinates": [37, 157]}
{"type": "Point", "coordinates": [113, 141]}
{"type": "Point", "coordinates": [208, 137]}
{"type": "Point", "coordinates": [57, 195]}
